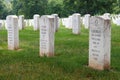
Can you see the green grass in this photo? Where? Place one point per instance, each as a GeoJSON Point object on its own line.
{"type": "Point", "coordinates": [69, 63]}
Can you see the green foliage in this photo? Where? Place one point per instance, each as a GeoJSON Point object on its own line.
{"type": "Point", "coordinates": [63, 8]}
{"type": "Point", "coordinates": [54, 6]}
{"type": "Point", "coordinates": [116, 7]}
{"type": "Point", "coordinates": [29, 7]}
{"type": "Point", "coordinates": [16, 6]}
{"type": "Point", "coordinates": [3, 9]}
{"type": "Point", "coordinates": [88, 6]}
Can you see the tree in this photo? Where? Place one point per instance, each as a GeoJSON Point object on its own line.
{"type": "Point", "coordinates": [55, 6]}
{"type": "Point", "coordinates": [116, 7]}
{"type": "Point", "coordinates": [16, 6]}
{"type": "Point", "coordinates": [29, 7]}
{"type": "Point", "coordinates": [88, 6]}
{"type": "Point", "coordinates": [3, 10]}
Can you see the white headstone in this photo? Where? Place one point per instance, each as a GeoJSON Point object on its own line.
{"type": "Point", "coordinates": [6, 25]}
{"type": "Point", "coordinates": [64, 22]}
{"type": "Point", "coordinates": [70, 22]}
{"type": "Point", "coordinates": [36, 22]}
{"type": "Point", "coordinates": [31, 22]}
{"type": "Point", "coordinates": [99, 43]}
{"type": "Point", "coordinates": [56, 22]}
{"type": "Point", "coordinates": [76, 23]}
{"type": "Point", "coordinates": [86, 21]}
{"type": "Point", "coordinates": [59, 20]}
{"type": "Point", "coordinates": [47, 36]}
{"type": "Point", "coordinates": [21, 22]}
{"type": "Point", "coordinates": [27, 22]}
{"type": "Point", "coordinates": [106, 15]}
{"type": "Point", "coordinates": [0, 26]}
{"type": "Point", "coordinates": [13, 32]}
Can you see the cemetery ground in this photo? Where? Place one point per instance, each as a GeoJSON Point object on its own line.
{"type": "Point", "coordinates": [69, 63]}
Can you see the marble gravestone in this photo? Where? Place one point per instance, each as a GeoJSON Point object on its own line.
{"type": "Point", "coordinates": [47, 36]}
{"type": "Point", "coordinates": [99, 43]}
{"type": "Point", "coordinates": [70, 22]}
{"type": "Point", "coordinates": [0, 26]}
{"type": "Point", "coordinates": [76, 23]}
{"type": "Point", "coordinates": [31, 22]}
{"type": "Point", "coordinates": [13, 32]}
{"type": "Point", "coordinates": [64, 21]}
{"type": "Point", "coordinates": [86, 21]}
{"type": "Point", "coordinates": [106, 16]}
{"type": "Point", "coordinates": [21, 22]}
{"type": "Point", "coordinates": [36, 22]}
{"type": "Point", "coordinates": [59, 20]}
{"type": "Point", "coordinates": [56, 25]}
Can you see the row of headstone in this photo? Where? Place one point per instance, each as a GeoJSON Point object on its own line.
{"type": "Point", "coordinates": [33, 22]}
{"type": "Point", "coordinates": [99, 37]}
{"type": "Point", "coordinates": [99, 40]}
{"type": "Point", "coordinates": [36, 24]}
{"type": "Point", "coordinates": [116, 19]}
{"type": "Point", "coordinates": [47, 24]}
{"type": "Point", "coordinates": [67, 22]}
{"type": "Point", "coordinates": [73, 22]}
{"type": "Point", "coordinates": [85, 20]}
{"type": "Point", "coordinates": [22, 23]}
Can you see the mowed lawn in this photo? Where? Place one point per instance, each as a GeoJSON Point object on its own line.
{"type": "Point", "coordinates": [69, 63]}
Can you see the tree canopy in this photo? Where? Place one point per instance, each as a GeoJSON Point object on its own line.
{"type": "Point", "coordinates": [62, 7]}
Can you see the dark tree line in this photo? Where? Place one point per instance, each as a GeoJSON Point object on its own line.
{"type": "Point", "coordinates": [62, 7]}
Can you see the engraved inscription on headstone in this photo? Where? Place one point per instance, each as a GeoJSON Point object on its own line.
{"type": "Point", "coordinates": [99, 43]}
{"type": "Point", "coordinates": [47, 36]}
{"type": "Point", "coordinates": [13, 33]}
{"type": "Point", "coordinates": [76, 23]}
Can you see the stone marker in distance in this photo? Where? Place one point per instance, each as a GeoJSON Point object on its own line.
{"type": "Point", "coordinates": [21, 22]}
{"type": "Point", "coordinates": [0, 26]}
{"type": "Point", "coordinates": [36, 22]}
{"type": "Point", "coordinates": [76, 23]}
{"type": "Point", "coordinates": [86, 21]}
